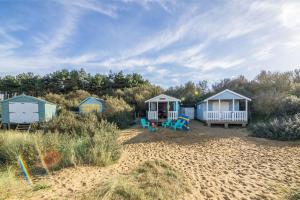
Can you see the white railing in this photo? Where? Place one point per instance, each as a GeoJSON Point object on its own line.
{"type": "Point", "coordinates": [152, 115]}
{"type": "Point", "coordinates": [226, 116]}
{"type": "Point", "coordinates": [172, 115]}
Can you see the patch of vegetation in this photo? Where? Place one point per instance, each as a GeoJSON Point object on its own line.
{"type": "Point", "coordinates": [37, 187]}
{"type": "Point", "coordinates": [118, 111]}
{"type": "Point", "coordinates": [150, 180]}
{"type": "Point", "coordinates": [9, 183]}
{"type": "Point", "coordinates": [294, 195]}
{"type": "Point", "coordinates": [67, 141]}
{"type": "Point", "coordinates": [281, 128]}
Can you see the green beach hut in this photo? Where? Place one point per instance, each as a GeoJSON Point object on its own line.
{"type": "Point", "coordinates": [25, 109]}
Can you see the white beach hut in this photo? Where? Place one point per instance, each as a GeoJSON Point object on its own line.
{"type": "Point", "coordinates": [226, 107]}
{"type": "Point", "coordinates": [162, 107]}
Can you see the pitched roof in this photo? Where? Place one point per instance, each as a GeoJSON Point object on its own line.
{"type": "Point", "coordinates": [27, 96]}
{"type": "Point", "coordinates": [227, 90]}
{"type": "Point", "coordinates": [101, 100]}
{"type": "Point", "coordinates": [162, 98]}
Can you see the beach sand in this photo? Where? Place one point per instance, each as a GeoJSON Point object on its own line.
{"type": "Point", "coordinates": [218, 163]}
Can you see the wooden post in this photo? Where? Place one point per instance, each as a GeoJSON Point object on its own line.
{"type": "Point", "coordinates": [168, 108]}
{"type": "Point", "coordinates": [206, 109]}
{"type": "Point", "coordinates": [219, 109]}
{"type": "Point", "coordinates": [157, 110]}
{"type": "Point", "coordinates": [246, 110]}
{"type": "Point", "coordinates": [233, 109]}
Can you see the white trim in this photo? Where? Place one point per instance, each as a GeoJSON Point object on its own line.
{"type": "Point", "coordinates": [227, 90]}
{"type": "Point", "coordinates": [162, 98]}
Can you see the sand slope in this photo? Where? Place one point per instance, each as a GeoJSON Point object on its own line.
{"type": "Point", "coordinates": [218, 163]}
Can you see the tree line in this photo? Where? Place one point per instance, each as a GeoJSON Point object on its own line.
{"type": "Point", "coordinates": [273, 93]}
{"type": "Point", "coordinates": [65, 81]}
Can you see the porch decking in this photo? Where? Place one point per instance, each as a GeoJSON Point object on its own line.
{"type": "Point", "coordinates": [226, 117]}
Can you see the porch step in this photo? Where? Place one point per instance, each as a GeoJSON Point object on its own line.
{"type": "Point", "coordinates": [23, 127]}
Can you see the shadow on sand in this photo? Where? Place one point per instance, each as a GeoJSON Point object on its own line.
{"type": "Point", "coordinates": [200, 134]}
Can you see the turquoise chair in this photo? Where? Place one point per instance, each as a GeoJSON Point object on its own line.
{"type": "Point", "coordinates": [144, 123]}
{"type": "Point", "coordinates": [167, 123]}
{"type": "Point", "coordinates": [178, 125]}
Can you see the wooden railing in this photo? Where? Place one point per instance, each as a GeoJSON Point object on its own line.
{"type": "Point", "coordinates": [226, 116]}
{"type": "Point", "coordinates": [152, 115]}
{"type": "Point", "coordinates": [172, 115]}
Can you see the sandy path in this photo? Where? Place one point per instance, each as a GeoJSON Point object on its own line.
{"type": "Point", "coordinates": [218, 163]}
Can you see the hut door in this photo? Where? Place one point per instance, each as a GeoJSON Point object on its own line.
{"type": "Point", "coordinates": [22, 112]}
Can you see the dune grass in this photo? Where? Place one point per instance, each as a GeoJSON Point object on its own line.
{"type": "Point", "coordinates": [150, 180]}
{"type": "Point", "coordinates": [10, 184]}
{"type": "Point", "coordinates": [58, 150]}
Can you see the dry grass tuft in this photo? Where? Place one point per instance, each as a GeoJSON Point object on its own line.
{"type": "Point", "coordinates": [150, 180]}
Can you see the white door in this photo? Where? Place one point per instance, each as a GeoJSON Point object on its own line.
{"type": "Point", "coordinates": [23, 112]}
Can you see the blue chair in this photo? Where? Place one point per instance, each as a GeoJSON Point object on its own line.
{"type": "Point", "coordinates": [144, 123]}
{"type": "Point", "coordinates": [167, 123]}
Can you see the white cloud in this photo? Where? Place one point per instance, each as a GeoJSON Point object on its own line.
{"type": "Point", "coordinates": [92, 5]}
{"type": "Point", "coordinates": [237, 35]}
{"type": "Point", "coordinates": [62, 34]}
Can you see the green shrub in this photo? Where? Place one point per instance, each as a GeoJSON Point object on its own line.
{"type": "Point", "coordinates": [118, 111]}
{"type": "Point", "coordinates": [289, 106]}
{"type": "Point", "coordinates": [150, 180]}
{"type": "Point", "coordinates": [294, 196]}
{"type": "Point", "coordinates": [282, 128]}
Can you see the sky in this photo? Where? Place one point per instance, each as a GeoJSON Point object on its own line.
{"type": "Point", "coordinates": [169, 42]}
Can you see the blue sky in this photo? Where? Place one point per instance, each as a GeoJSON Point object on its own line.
{"type": "Point", "coordinates": [168, 41]}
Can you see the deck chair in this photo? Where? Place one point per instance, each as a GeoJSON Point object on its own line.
{"type": "Point", "coordinates": [178, 125]}
{"type": "Point", "coordinates": [167, 123]}
{"type": "Point", "coordinates": [144, 123]}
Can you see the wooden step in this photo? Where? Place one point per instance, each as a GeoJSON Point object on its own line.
{"type": "Point", "coordinates": [23, 127]}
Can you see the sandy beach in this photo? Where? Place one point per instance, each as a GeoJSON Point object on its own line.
{"type": "Point", "coordinates": [218, 163]}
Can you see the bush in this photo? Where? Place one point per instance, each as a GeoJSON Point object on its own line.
{"type": "Point", "coordinates": [289, 106]}
{"type": "Point", "coordinates": [150, 180]}
{"type": "Point", "coordinates": [294, 196]}
{"type": "Point", "coordinates": [282, 128]}
{"type": "Point", "coordinates": [79, 125]}
{"type": "Point", "coordinates": [267, 103]}
{"type": "Point", "coordinates": [118, 111]}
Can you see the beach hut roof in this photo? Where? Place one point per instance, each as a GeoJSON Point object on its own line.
{"type": "Point", "coordinates": [29, 97]}
{"type": "Point", "coordinates": [95, 98]}
{"type": "Point", "coordinates": [162, 98]}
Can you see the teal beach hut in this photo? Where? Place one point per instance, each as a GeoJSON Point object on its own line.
{"type": "Point", "coordinates": [91, 104]}
{"type": "Point", "coordinates": [25, 109]}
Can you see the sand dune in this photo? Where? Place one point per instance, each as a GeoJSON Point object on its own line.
{"type": "Point", "coordinates": [218, 163]}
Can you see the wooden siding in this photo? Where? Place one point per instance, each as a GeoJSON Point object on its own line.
{"type": "Point", "coordinates": [42, 110]}
{"type": "Point", "coordinates": [91, 105]}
